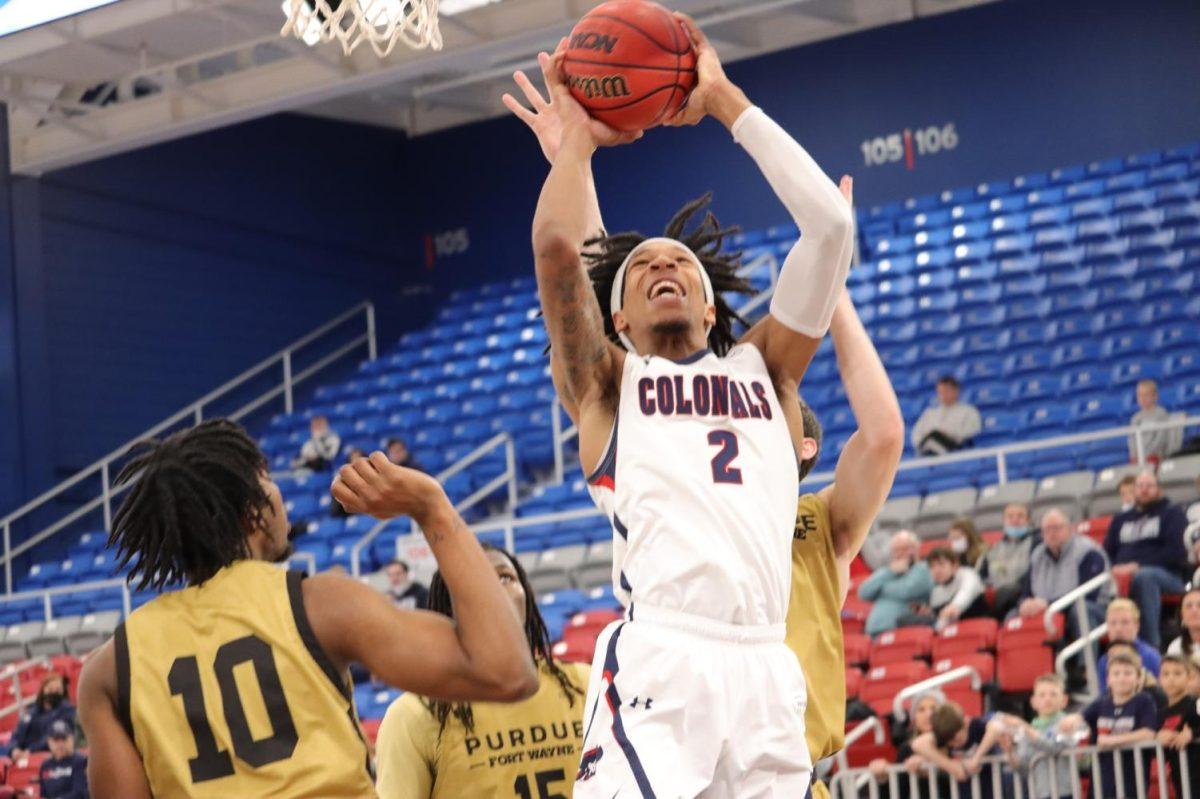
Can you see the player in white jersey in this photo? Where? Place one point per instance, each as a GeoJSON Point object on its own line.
{"type": "Point", "coordinates": [695, 693]}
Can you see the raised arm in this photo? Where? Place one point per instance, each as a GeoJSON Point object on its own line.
{"type": "Point", "coordinates": [590, 362]}
{"type": "Point", "coordinates": [543, 119]}
{"type": "Point", "coordinates": [814, 271]}
{"type": "Point", "coordinates": [481, 655]}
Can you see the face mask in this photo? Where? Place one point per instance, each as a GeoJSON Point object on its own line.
{"type": "Point", "coordinates": [54, 699]}
{"type": "Point", "coordinates": [959, 545]}
{"type": "Point", "coordinates": [1015, 532]}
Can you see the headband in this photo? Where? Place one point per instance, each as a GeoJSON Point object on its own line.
{"type": "Point", "coordinates": [616, 299]}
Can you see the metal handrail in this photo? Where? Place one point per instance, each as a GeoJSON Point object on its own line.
{"type": "Point", "coordinates": [869, 724]}
{"type": "Point", "coordinates": [918, 688]}
{"type": "Point", "coordinates": [1083, 642]}
{"type": "Point", "coordinates": [1067, 599]}
{"type": "Point", "coordinates": [195, 411]}
{"type": "Point", "coordinates": [508, 476]}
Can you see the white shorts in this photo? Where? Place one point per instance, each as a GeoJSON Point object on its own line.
{"type": "Point", "coordinates": [680, 706]}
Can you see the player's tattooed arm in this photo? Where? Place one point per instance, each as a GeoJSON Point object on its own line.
{"type": "Point", "coordinates": [560, 225]}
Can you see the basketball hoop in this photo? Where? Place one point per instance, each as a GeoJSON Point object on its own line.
{"type": "Point", "coordinates": [383, 23]}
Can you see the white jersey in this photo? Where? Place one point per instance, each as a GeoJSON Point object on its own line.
{"type": "Point", "coordinates": [700, 483]}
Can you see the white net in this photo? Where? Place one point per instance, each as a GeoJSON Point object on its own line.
{"type": "Point", "coordinates": [382, 23]}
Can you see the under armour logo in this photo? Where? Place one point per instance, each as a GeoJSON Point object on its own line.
{"type": "Point", "coordinates": [637, 699]}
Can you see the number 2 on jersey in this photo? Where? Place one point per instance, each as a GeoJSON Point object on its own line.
{"type": "Point", "coordinates": [210, 762]}
{"type": "Point", "coordinates": [723, 470]}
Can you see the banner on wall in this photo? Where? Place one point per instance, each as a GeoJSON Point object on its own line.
{"type": "Point", "coordinates": [17, 15]}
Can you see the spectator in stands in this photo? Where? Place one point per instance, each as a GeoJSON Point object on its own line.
{"type": "Point", "coordinates": [50, 706]}
{"type": "Point", "coordinates": [1179, 721]}
{"type": "Point", "coordinates": [1122, 620]}
{"type": "Point", "coordinates": [433, 748]}
{"type": "Point", "coordinates": [335, 508]}
{"type": "Point", "coordinates": [894, 588]}
{"type": "Point", "coordinates": [1006, 565]}
{"type": "Point", "coordinates": [948, 425]}
{"type": "Point", "coordinates": [63, 775]}
{"type": "Point", "coordinates": [950, 743]}
{"type": "Point", "coordinates": [353, 454]}
{"type": "Point", "coordinates": [957, 592]}
{"type": "Point", "coordinates": [903, 734]}
{"type": "Point", "coordinates": [397, 453]}
{"type": "Point", "coordinates": [1064, 561]}
{"type": "Point", "coordinates": [1188, 642]}
{"type": "Point", "coordinates": [1127, 488]}
{"type": "Point", "coordinates": [1147, 543]}
{"type": "Point", "coordinates": [966, 542]}
{"type": "Point", "coordinates": [1155, 443]}
{"type": "Point", "coordinates": [1041, 737]}
{"type": "Point", "coordinates": [1123, 715]}
{"type": "Point", "coordinates": [403, 589]}
{"type": "Point", "coordinates": [1149, 682]}
{"type": "Point", "coordinates": [1193, 511]}
{"type": "Point", "coordinates": [319, 452]}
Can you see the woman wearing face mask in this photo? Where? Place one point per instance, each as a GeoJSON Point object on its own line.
{"type": "Point", "coordinates": [52, 705]}
{"type": "Point", "coordinates": [966, 542]}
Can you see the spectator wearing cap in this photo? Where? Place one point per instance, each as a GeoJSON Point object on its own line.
{"type": "Point", "coordinates": [50, 706]}
{"type": "Point", "coordinates": [1155, 443]}
{"type": "Point", "coordinates": [64, 774]}
{"type": "Point", "coordinates": [1146, 543]}
{"type": "Point", "coordinates": [947, 425]}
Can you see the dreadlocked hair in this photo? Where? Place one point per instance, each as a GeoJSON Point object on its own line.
{"type": "Point", "coordinates": [535, 633]}
{"type": "Point", "coordinates": [194, 496]}
{"type": "Point", "coordinates": [605, 254]}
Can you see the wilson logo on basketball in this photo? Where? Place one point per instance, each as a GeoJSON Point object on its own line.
{"type": "Point", "coordinates": [606, 86]}
{"type": "Point", "coordinates": [594, 41]}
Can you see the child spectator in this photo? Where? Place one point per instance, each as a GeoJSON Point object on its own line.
{"type": "Point", "coordinates": [1041, 736]}
{"type": "Point", "coordinates": [1123, 618]}
{"type": "Point", "coordinates": [1127, 491]}
{"type": "Point", "coordinates": [1148, 684]}
{"type": "Point", "coordinates": [966, 542]}
{"type": "Point", "coordinates": [1123, 715]}
{"type": "Point", "coordinates": [903, 734]}
{"type": "Point", "coordinates": [949, 744]}
{"type": "Point", "coordinates": [1179, 723]}
{"type": "Point", "coordinates": [1188, 642]}
{"type": "Point", "coordinates": [957, 592]}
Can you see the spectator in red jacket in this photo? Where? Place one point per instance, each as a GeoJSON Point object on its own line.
{"type": "Point", "coordinates": [1147, 543]}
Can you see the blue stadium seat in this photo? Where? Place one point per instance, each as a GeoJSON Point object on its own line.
{"type": "Point", "coordinates": [1184, 363]}
{"type": "Point", "coordinates": [1128, 372]}
{"type": "Point", "coordinates": [971, 274]}
{"type": "Point", "coordinates": [974, 318]}
{"type": "Point", "coordinates": [1009, 223]}
{"type": "Point", "coordinates": [1098, 413]}
{"type": "Point", "coordinates": [1013, 246]}
{"type": "Point", "coordinates": [1083, 380]}
{"type": "Point", "coordinates": [990, 395]}
{"type": "Point", "coordinates": [895, 266]}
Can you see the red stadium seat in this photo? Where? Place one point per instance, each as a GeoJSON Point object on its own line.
{"type": "Point", "coordinates": [882, 683]}
{"type": "Point", "coordinates": [575, 651]}
{"type": "Point", "coordinates": [593, 620]}
{"type": "Point", "coordinates": [992, 536]}
{"type": "Point", "coordinates": [864, 750]}
{"type": "Point", "coordinates": [929, 546]}
{"type": "Point", "coordinates": [970, 635]}
{"type": "Point", "coordinates": [854, 678]}
{"type": "Point", "coordinates": [856, 605]}
{"type": "Point", "coordinates": [901, 644]}
{"type": "Point", "coordinates": [1027, 628]}
{"type": "Point", "coordinates": [857, 649]}
{"type": "Point", "coordinates": [1096, 528]}
{"type": "Point", "coordinates": [983, 663]}
{"type": "Point", "coordinates": [1123, 579]}
{"type": "Point", "coordinates": [853, 624]}
{"type": "Point", "coordinates": [970, 700]}
{"type": "Point", "coordinates": [370, 728]}
{"type": "Point", "coordinates": [23, 774]}
{"type": "Point", "coordinates": [1023, 652]}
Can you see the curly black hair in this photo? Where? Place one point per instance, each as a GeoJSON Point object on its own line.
{"type": "Point", "coordinates": [535, 632]}
{"type": "Point", "coordinates": [196, 496]}
{"type": "Point", "coordinates": [604, 255]}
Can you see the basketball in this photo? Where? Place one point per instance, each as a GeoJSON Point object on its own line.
{"type": "Point", "coordinates": [630, 64]}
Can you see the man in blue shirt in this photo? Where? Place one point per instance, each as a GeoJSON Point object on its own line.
{"type": "Point", "coordinates": [1147, 544]}
{"type": "Point", "coordinates": [64, 774]}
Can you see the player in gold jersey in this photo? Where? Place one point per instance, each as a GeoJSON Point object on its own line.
{"type": "Point", "coordinates": [430, 749]}
{"type": "Point", "coordinates": [832, 524]}
{"type": "Point", "coordinates": [236, 685]}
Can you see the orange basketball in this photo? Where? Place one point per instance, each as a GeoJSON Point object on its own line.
{"type": "Point", "coordinates": [630, 64]}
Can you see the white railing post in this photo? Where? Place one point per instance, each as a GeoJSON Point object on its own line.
{"type": "Point", "coordinates": [106, 487]}
{"type": "Point", "coordinates": [510, 539]}
{"type": "Point", "coordinates": [198, 413]}
{"type": "Point", "coordinates": [126, 599]}
{"type": "Point", "coordinates": [47, 610]}
{"type": "Point", "coordinates": [1139, 446]}
{"type": "Point", "coordinates": [557, 439]}
{"type": "Point", "coordinates": [1001, 468]}
{"type": "Point", "coordinates": [287, 382]}
{"type": "Point", "coordinates": [372, 351]}
{"type": "Point", "coordinates": [510, 459]}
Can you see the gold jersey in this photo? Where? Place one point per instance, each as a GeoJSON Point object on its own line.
{"type": "Point", "coordinates": [227, 693]}
{"type": "Point", "coordinates": [814, 627]}
{"type": "Point", "coordinates": [527, 750]}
